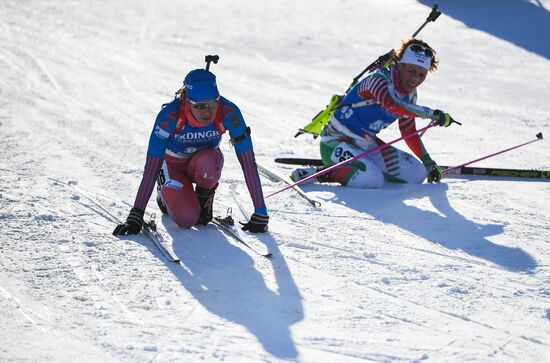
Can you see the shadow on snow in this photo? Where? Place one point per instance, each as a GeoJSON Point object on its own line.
{"type": "Point", "coordinates": [447, 228]}
{"type": "Point", "coordinates": [519, 22]}
{"type": "Point", "coordinates": [224, 279]}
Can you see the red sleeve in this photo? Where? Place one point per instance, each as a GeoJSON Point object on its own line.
{"type": "Point", "coordinates": [377, 88]}
{"type": "Point", "coordinates": [407, 125]}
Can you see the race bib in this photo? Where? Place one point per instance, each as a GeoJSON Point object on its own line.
{"type": "Point", "coordinates": [342, 152]}
{"type": "Point", "coordinates": [165, 180]}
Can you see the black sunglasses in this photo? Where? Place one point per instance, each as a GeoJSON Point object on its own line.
{"type": "Point", "coordinates": [204, 105]}
{"type": "Point", "coordinates": [417, 48]}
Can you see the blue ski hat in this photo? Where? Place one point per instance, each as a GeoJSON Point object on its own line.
{"type": "Point", "coordinates": [200, 85]}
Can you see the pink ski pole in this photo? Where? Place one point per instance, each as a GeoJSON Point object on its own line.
{"type": "Point", "coordinates": [332, 167]}
{"type": "Point", "coordinates": [448, 170]}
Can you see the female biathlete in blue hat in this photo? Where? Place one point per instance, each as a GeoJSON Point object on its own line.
{"type": "Point", "coordinates": [184, 149]}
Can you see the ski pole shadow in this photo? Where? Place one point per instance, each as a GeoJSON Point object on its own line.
{"type": "Point", "coordinates": [520, 22]}
{"type": "Point", "coordinates": [226, 280]}
{"type": "Point", "coordinates": [444, 226]}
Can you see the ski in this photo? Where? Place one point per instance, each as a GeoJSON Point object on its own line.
{"type": "Point", "coordinates": [275, 176]}
{"type": "Point", "coordinates": [227, 225]}
{"type": "Point", "coordinates": [149, 228]}
{"type": "Point", "coordinates": [496, 172]}
{"type": "Point", "coordinates": [464, 170]}
{"type": "Point", "coordinates": [233, 193]}
{"type": "Point", "coordinates": [300, 161]}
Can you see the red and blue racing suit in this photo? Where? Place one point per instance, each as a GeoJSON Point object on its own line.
{"type": "Point", "coordinates": [177, 139]}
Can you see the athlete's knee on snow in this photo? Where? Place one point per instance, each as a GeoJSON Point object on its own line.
{"type": "Point", "coordinates": [405, 168]}
{"type": "Point", "coordinates": [359, 176]}
{"type": "Point", "coordinates": [364, 174]}
{"type": "Point", "coordinates": [182, 204]}
{"type": "Point", "coordinates": [186, 216]}
{"type": "Point", "coordinates": [368, 179]}
{"type": "Point", "coordinates": [207, 167]}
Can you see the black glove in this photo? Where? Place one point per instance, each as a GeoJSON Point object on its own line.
{"type": "Point", "coordinates": [257, 224]}
{"type": "Point", "coordinates": [434, 171]}
{"type": "Point", "coordinates": [133, 223]}
{"type": "Point", "coordinates": [442, 118]}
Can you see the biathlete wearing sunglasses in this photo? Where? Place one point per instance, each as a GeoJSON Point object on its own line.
{"type": "Point", "coordinates": [384, 96]}
{"type": "Point", "coordinates": [184, 150]}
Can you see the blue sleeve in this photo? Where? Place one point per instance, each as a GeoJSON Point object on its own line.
{"type": "Point", "coordinates": [150, 173]}
{"type": "Point", "coordinates": [233, 122]}
{"type": "Point", "coordinates": [164, 126]}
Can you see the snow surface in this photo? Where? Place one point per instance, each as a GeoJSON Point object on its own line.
{"type": "Point", "coordinates": [457, 271]}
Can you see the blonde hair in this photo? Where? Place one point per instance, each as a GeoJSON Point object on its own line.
{"type": "Point", "coordinates": [181, 93]}
{"type": "Point", "coordinates": [408, 41]}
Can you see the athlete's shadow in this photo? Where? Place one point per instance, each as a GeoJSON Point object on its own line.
{"type": "Point", "coordinates": [444, 226]}
{"type": "Point", "coordinates": [225, 280]}
{"type": "Point", "coordinates": [520, 22]}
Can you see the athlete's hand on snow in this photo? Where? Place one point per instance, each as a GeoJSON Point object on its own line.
{"type": "Point", "coordinates": [133, 223]}
{"type": "Point", "coordinates": [434, 171]}
{"type": "Point", "coordinates": [443, 118]}
{"type": "Point", "coordinates": [257, 223]}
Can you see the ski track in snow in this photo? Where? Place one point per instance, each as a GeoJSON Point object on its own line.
{"type": "Point", "coordinates": [457, 271]}
{"type": "Point", "coordinates": [25, 311]}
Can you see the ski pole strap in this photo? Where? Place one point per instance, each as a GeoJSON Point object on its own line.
{"type": "Point", "coordinates": [240, 138]}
